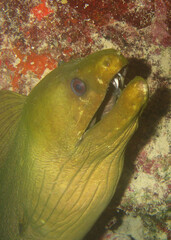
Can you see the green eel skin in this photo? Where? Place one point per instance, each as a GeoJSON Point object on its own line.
{"type": "Point", "coordinates": [56, 174]}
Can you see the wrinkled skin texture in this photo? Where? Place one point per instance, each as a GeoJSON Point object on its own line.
{"type": "Point", "coordinates": [57, 177]}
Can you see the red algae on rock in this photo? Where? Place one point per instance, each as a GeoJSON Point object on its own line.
{"type": "Point", "coordinates": [40, 11]}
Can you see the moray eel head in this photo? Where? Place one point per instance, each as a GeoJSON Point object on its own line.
{"type": "Point", "coordinates": [64, 103]}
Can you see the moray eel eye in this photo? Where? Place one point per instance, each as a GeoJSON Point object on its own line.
{"type": "Point", "coordinates": [78, 86]}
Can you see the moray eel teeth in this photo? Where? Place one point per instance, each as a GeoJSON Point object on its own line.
{"type": "Point", "coordinates": [112, 94]}
{"type": "Point", "coordinates": [118, 80]}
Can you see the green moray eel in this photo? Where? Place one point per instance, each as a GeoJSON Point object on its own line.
{"type": "Point", "coordinates": [58, 170]}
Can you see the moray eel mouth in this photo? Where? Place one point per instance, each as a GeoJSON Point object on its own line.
{"type": "Point", "coordinates": [115, 87]}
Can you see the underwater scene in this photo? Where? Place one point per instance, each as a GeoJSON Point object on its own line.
{"type": "Point", "coordinates": [85, 153]}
